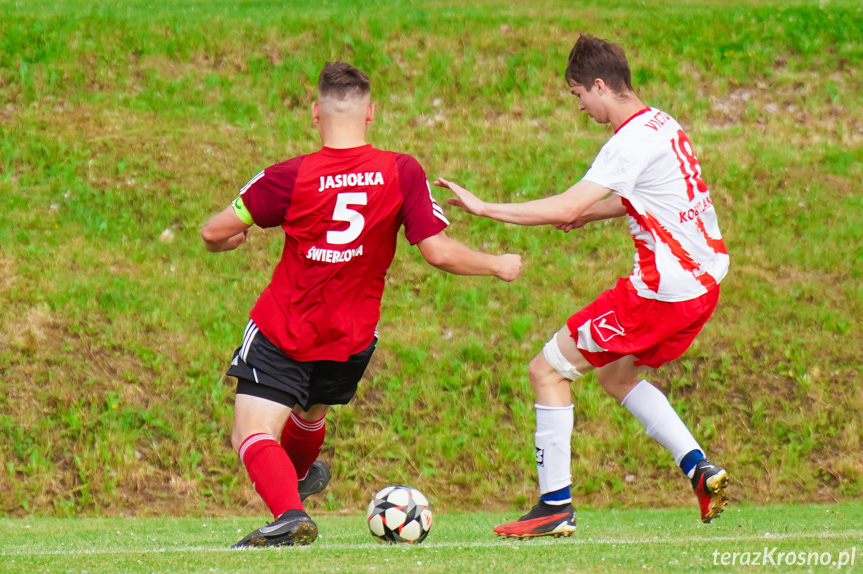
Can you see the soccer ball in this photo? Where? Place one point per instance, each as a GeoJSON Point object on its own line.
{"type": "Point", "coordinates": [399, 514]}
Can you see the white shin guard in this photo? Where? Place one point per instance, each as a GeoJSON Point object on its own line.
{"type": "Point", "coordinates": [553, 447]}
{"type": "Point", "coordinates": [660, 420]}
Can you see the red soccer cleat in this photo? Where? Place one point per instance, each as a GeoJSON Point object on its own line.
{"type": "Point", "coordinates": [543, 520]}
{"type": "Point", "coordinates": [709, 483]}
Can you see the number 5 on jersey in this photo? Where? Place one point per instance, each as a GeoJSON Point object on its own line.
{"type": "Point", "coordinates": [354, 218]}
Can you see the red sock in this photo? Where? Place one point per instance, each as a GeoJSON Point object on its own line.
{"type": "Point", "coordinates": [272, 473]}
{"type": "Point", "coordinates": [303, 441]}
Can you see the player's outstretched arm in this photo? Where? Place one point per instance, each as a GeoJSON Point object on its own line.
{"type": "Point", "coordinates": [224, 231]}
{"type": "Point", "coordinates": [556, 210]}
{"type": "Point", "coordinates": [449, 255]}
{"type": "Point", "coordinates": [608, 208]}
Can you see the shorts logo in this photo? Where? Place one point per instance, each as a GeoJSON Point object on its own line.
{"type": "Point", "coordinates": [540, 456]}
{"type": "Point", "coordinates": [607, 326]}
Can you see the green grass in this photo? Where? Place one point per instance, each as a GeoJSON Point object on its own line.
{"type": "Point", "coordinates": [606, 540]}
{"type": "Point", "coordinates": [124, 125]}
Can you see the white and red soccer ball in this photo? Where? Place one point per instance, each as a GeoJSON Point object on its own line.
{"type": "Point", "coordinates": [399, 514]}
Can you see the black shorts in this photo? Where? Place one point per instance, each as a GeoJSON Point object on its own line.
{"type": "Point", "coordinates": [264, 371]}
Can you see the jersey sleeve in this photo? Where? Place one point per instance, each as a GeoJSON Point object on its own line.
{"type": "Point", "coordinates": [420, 213]}
{"type": "Point", "coordinates": [616, 168]}
{"type": "Point", "coordinates": [267, 196]}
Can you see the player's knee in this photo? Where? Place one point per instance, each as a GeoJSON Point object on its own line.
{"type": "Point", "coordinates": [536, 372]}
{"type": "Point", "coordinates": [315, 412]}
{"type": "Point", "coordinates": [616, 385]}
{"type": "Point", "coordinates": [553, 357]}
{"type": "Point", "coordinates": [237, 438]}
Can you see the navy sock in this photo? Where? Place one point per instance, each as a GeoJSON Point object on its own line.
{"type": "Point", "coordinates": [690, 460]}
{"type": "Point", "coordinates": [562, 496]}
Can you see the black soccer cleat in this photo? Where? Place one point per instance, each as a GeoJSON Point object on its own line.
{"type": "Point", "coordinates": [542, 520]}
{"type": "Point", "coordinates": [294, 527]}
{"type": "Point", "coordinates": [316, 480]}
{"type": "Point", "coordinates": [709, 483]}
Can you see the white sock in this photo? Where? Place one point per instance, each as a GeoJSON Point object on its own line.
{"type": "Point", "coordinates": [659, 418]}
{"type": "Point", "coordinates": [553, 447]}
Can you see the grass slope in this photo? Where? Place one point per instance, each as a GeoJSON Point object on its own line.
{"type": "Point", "coordinates": [123, 126]}
{"type": "Point", "coordinates": [609, 539]}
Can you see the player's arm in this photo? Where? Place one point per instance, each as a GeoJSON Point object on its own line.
{"type": "Point", "coordinates": [608, 208]}
{"type": "Point", "coordinates": [556, 210]}
{"type": "Point", "coordinates": [449, 255]}
{"type": "Point", "coordinates": [228, 229]}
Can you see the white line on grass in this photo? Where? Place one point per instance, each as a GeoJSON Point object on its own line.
{"type": "Point", "coordinates": [476, 544]}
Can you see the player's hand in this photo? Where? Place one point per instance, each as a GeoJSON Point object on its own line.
{"type": "Point", "coordinates": [464, 199]}
{"type": "Point", "coordinates": [567, 227]}
{"type": "Point", "coordinates": [239, 239]}
{"type": "Point", "coordinates": [509, 266]}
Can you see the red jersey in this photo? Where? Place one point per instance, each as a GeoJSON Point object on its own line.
{"type": "Point", "coordinates": [341, 210]}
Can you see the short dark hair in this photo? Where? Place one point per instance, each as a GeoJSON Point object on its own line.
{"type": "Point", "coordinates": [592, 58]}
{"type": "Point", "coordinates": [341, 80]}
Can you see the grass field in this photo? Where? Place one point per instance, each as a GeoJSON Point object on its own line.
{"type": "Point", "coordinates": [606, 540]}
{"type": "Point", "coordinates": [123, 125]}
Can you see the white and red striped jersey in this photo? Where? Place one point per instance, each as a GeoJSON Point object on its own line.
{"type": "Point", "coordinates": [649, 162]}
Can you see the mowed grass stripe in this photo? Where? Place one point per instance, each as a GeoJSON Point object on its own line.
{"type": "Point", "coordinates": [666, 540]}
{"type": "Point", "coordinates": [784, 537]}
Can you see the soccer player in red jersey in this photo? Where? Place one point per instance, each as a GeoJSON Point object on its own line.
{"type": "Point", "coordinates": [312, 331]}
{"type": "Point", "coordinates": [648, 172]}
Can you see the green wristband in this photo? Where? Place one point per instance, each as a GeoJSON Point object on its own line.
{"type": "Point", "coordinates": [242, 211]}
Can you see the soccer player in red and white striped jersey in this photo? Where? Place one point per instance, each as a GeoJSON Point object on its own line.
{"type": "Point", "coordinates": [312, 331]}
{"type": "Point", "coordinates": [648, 172]}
